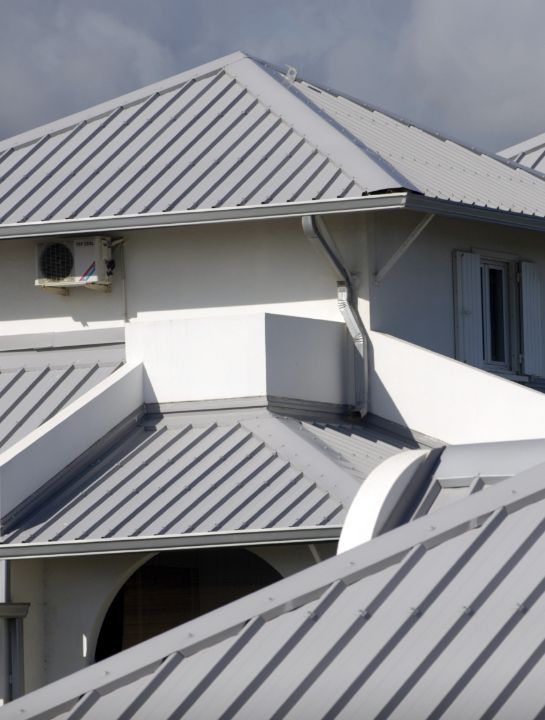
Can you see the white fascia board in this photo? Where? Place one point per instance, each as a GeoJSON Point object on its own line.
{"type": "Point", "coordinates": [338, 206]}
{"type": "Point", "coordinates": [323, 132]}
{"type": "Point", "coordinates": [448, 208]}
{"type": "Point", "coordinates": [111, 224]}
{"type": "Point", "coordinates": [118, 546]}
{"type": "Point", "coordinates": [43, 453]}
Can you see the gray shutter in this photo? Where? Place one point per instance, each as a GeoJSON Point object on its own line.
{"type": "Point", "coordinates": [533, 351]}
{"type": "Point", "coordinates": [469, 314]}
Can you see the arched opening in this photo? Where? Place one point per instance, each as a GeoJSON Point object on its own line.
{"type": "Point", "coordinates": [175, 587]}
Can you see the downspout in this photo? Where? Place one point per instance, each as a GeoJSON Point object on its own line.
{"type": "Point", "coordinates": [316, 231]}
{"type": "Point", "coordinates": [5, 644]}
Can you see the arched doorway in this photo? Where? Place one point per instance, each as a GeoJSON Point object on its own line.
{"type": "Point", "coordinates": [175, 587]}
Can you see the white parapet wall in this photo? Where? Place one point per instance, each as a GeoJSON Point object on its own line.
{"type": "Point", "coordinates": [43, 453]}
{"type": "Point", "coordinates": [448, 400]}
{"type": "Point", "coordinates": [249, 356]}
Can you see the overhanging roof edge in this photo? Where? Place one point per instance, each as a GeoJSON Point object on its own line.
{"type": "Point", "coordinates": [449, 208]}
{"type": "Point", "coordinates": [272, 536]}
{"type": "Point", "coordinates": [388, 201]}
{"type": "Point", "coordinates": [382, 201]}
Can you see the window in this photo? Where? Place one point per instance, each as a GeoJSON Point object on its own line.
{"type": "Point", "coordinates": [499, 315]}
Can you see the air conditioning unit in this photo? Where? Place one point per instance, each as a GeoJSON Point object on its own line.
{"type": "Point", "coordinates": [79, 262]}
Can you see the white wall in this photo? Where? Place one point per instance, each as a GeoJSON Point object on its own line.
{"type": "Point", "coordinates": [244, 356]}
{"type": "Point", "coordinates": [44, 452]}
{"type": "Point", "coordinates": [185, 272]}
{"type": "Point", "coordinates": [448, 400]}
{"type": "Point", "coordinates": [69, 598]}
{"type": "Point", "coordinates": [415, 301]}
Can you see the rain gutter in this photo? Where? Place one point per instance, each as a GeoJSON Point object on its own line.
{"type": "Point", "coordinates": [235, 538]}
{"type": "Point", "coordinates": [402, 200]}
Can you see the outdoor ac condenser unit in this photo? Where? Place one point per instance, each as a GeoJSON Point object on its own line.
{"type": "Point", "coordinates": [81, 262]}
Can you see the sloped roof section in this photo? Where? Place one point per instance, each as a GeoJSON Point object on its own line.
{"type": "Point", "coordinates": [528, 153]}
{"type": "Point", "coordinates": [211, 472]}
{"type": "Point", "coordinates": [435, 166]}
{"type": "Point", "coordinates": [237, 134]}
{"type": "Point", "coordinates": [34, 385]}
{"type": "Point", "coordinates": [441, 620]}
{"type": "Point", "coordinates": [205, 139]}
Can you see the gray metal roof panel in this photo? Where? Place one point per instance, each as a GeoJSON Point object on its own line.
{"type": "Point", "coordinates": [235, 133]}
{"type": "Point", "coordinates": [529, 153]}
{"type": "Point", "coordinates": [359, 449]}
{"type": "Point", "coordinates": [208, 132]}
{"type": "Point", "coordinates": [436, 166]}
{"type": "Point", "coordinates": [200, 473]}
{"type": "Point", "coordinates": [36, 385]}
{"type": "Point", "coordinates": [425, 621]}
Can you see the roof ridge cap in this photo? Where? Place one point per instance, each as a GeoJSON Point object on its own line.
{"type": "Point", "coordinates": [336, 143]}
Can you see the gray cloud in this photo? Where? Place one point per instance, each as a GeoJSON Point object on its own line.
{"type": "Point", "coordinates": [471, 69]}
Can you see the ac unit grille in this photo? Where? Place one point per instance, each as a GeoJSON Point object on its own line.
{"type": "Point", "coordinates": [56, 262]}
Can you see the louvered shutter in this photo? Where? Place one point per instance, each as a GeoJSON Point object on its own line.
{"type": "Point", "coordinates": [533, 351]}
{"type": "Point", "coordinates": [469, 316]}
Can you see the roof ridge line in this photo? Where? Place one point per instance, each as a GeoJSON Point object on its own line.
{"type": "Point", "coordinates": [383, 169]}
{"type": "Point", "coordinates": [133, 97]}
{"type": "Point", "coordinates": [342, 495]}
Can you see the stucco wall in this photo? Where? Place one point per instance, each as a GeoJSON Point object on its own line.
{"type": "Point", "coordinates": [225, 269]}
{"type": "Point", "coordinates": [415, 301]}
{"type": "Point", "coordinates": [69, 598]}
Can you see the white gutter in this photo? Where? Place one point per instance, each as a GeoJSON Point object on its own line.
{"type": "Point", "coordinates": [389, 201]}
{"type": "Point", "coordinates": [402, 200]}
{"type": "Point", "coordinates": [316, 231]}
{"type": "Point", "coordinates": [155, 543]}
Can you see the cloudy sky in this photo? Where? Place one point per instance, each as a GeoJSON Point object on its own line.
{"type": "Point", "coordinates": [471, 69]}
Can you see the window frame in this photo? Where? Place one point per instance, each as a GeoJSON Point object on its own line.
{"type": "Point", "coordinates": [510, 264]}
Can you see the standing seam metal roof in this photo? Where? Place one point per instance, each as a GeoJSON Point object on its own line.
{"type": "Point", "coordinates": [432, 620]}
{"type": "Point", "coordinates": [436, 166]}
{"type": "Point", "coordinates": [203, 141]}
{"type": "Point", "coordinates": [237, 133]}
{"type": "Point", "coordinates": [209, 472]}
{"type": "Point", "coordinates": [36, 385]}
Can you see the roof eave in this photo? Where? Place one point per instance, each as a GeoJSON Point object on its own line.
{"type": "Point", "coordinates": [387, 201]}
{"type": "Point", "coordinates": [396, 200]}
{"type": "Point", "coordinates": [109, 546]}
{"type": "Point", "coordinates": [463, 211]}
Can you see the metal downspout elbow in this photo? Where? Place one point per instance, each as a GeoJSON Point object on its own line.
{"type": "Point", "coordinates": [317, 233]}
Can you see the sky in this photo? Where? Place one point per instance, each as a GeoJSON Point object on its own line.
{"type": "Point", "coordinates": [469, 69]}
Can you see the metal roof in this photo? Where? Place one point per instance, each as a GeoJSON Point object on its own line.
{"type": "Point", "coordinates": [441, 619]}
{"type": "Point", "coordinates": [34, 385]}
{"type": "Point", "coordinates": [528, 153]}
{"type": "Point", "coordinates": [436, 166]}
{"type": "Point", "coordinates": [232, 134]}
{"type": "Point", "coordinates": [195, 474]}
